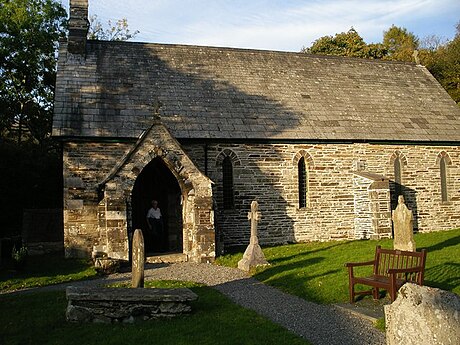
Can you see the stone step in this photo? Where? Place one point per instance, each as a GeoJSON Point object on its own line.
{"type": "Point", "coordinates": [165, 258]}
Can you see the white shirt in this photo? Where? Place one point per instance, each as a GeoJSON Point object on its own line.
{"type": "Point", "coordinates": [154, 213]}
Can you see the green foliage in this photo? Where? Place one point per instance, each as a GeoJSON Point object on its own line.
{"type": "Point", "coordinates": [29, 32]}
{"type": "Point", "coordinates": [19, 255]}
{"type": "Point", "coordinates": [118, 31]}
{"type": "Point", "coordinates": [400, 44]}
{"type": "Point", "coordinates": [315, 271]}
{"type": "Point", "coordinates": [40, 319]}
{"type": "Point", "coordinates": [380, 324]}
{"type": "Point", "coordinates": [346, 44]}
{"type": "Point", "coordinates": [445, 67]}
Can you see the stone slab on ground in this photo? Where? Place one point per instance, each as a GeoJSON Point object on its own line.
{"type": "Point", "coordinates": [109, 305]}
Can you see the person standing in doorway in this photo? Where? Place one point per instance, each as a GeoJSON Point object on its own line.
{"type": "Point", "coordinates": [155, 224]}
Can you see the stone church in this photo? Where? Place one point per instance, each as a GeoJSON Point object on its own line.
{"type": "Point", "coordinates": [324, 144]}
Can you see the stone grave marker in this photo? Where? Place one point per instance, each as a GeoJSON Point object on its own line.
{"type": "Point", "coordinates": [253, 256]}
{"type": "Point", "coordinates": [403, 227]}
{"type": "Point", "coordinates": [138, 260]}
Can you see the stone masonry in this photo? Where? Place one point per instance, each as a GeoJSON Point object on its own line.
{"type": "Point", "coordinates": [268, 173]}
{"type": "Point", "coordinates": [96, 192]}
{"type": "Point", "coordinates": [121, 105]}
{"type": "Point", "coordinates": [127, 305]}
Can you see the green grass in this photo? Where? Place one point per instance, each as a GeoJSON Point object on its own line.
{"type": "Point", "coordinates": [45, 270]}
{"type": "Point", "coordinates": [39, 318]}
{"type": "Point", "coordinates": [315, 271]}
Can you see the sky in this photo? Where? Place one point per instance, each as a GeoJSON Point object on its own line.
{"type": "Point", "coordinates": [286, 25]}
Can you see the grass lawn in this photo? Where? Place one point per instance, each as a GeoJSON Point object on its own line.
{"type": "Point", "coordinates": [313, 271]}
{"type": "Point", "coordinates": [39, 318]}
{"type": "Point", "coordinates": [316, 272]}
{"type": "Point", "coordinates": [45, 270]}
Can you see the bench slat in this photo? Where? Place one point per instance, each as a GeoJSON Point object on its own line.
{"type": "Point", "coordinates": [392, 268]}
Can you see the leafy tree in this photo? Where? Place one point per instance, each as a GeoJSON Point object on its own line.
{"type": "Point", "coordinates": [400, 44]}
{"type": "Point", "coordinates": [348, 43]}
{"type": "Point", "coordinates": [29, 32]}
{"type": "Point", "coordinates": [446, 67]}
{"type": "Point", "coordinates": [118, 31]}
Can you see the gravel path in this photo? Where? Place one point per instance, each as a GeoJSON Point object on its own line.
{"type": "Point", "coordinates": [319, 324]}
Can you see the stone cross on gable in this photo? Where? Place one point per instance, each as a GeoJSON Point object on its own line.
{"type": "Point", "coordinates": [253, 256]}
{"type": "Point", "coordinates": [156, 109]}
{"type": "Point", "coordinates": [254, 216]}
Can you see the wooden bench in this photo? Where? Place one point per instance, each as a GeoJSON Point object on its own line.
{"type": "Point", "coordinates": [392, 268]}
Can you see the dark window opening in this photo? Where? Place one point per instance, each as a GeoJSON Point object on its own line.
{"type": "Point", "coordinates": [397, 168]}
{"type": "Point", "coordinates": [302, 173]}
{"type": "Point", "coordinates": [227, 177]}
{"type": "Point", "coordinates": [443, 171]}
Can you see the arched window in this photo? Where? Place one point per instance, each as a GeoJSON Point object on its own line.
{"type": "Point", "coordinates": [302, 179]}
{"type": "Point", "coordinates": [443, 172]}
{"type": "Point", "coordinates": [227, 181]}
{"type": "Point", "coordinates": [397, 171]}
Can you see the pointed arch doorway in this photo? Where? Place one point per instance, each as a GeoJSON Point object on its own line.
{"type": "Point", "coordinates": [157, 182]}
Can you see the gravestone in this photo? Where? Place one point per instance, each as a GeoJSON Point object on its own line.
{"type": "Point", "coordinates": [403, 227]}
{"type": "Point", "coordinates": [138, 260]}
{"type": "Point", "coordinates": [253, 256]}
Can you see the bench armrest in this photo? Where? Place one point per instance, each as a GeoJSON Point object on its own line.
{"type": "Point", "coordinates": [365, 263]}
{"type": "Point", "coordinates": [405, 270]}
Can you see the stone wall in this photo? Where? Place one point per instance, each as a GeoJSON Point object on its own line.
{"type": "Point", "coordinates": [268, 173]}
{"type": "Point", "coordinates": [85, 165]}
{"type": "Point", "coordinates": [98, 183]}
{"type": "Point", "coordinates": [111, 305]}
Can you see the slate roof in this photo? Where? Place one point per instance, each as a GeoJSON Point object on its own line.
{"type": "Point", "coordinates": [227, 93]}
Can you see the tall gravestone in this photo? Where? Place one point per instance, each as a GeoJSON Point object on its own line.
{"type": "Point", "coordinates": [253, 256]}
{"type": "Point", "coordinates": [403, 227]}
{"type": "Point", "coordinates": [138, 260]}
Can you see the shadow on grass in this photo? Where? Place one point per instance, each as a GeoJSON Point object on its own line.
{"type": "Point", "coordinates": [43, 270]}
{"type": "Point", "coordinates": [443, 245]}
{"type": "Point", "coordinates": [445, 276]}
{"type": "Point", "coordinates": [304, 252]}
{"type": "Point", "coordinates": [277, 266]}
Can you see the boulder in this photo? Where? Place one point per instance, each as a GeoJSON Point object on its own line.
{"type": "Point", "coordinates": [423, 315]}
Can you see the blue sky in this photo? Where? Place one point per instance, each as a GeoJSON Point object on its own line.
{"type": "Point", "coordinates": [278, 24]}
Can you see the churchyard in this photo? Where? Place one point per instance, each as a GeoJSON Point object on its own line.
{"type": "Point", "coordinates": [313, 271]}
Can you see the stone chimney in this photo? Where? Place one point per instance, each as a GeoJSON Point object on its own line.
{"type": "Point", "coordinates": [78, 26]}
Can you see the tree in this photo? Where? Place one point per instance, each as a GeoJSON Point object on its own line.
{"type": "Point", "coordinates": [446, 67]}
{"type": "Point", "coordinates": [29, 32]}
{"type": "Point", "coordinates": [118, 31]}
{"type": "Point", "coordinates": [400, 44]}
{"type": "Point", "coordinates": [348, 43]}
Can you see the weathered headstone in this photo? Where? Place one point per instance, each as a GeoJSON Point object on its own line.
{"type": "Point", "coordinates": [403, 227]}
{"type": "Point", "coordinates": [138, 260]}
{"type": "Point", "coordinates": [253, 256]}
{"type": "Point", "coordinates": [423, 315]}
